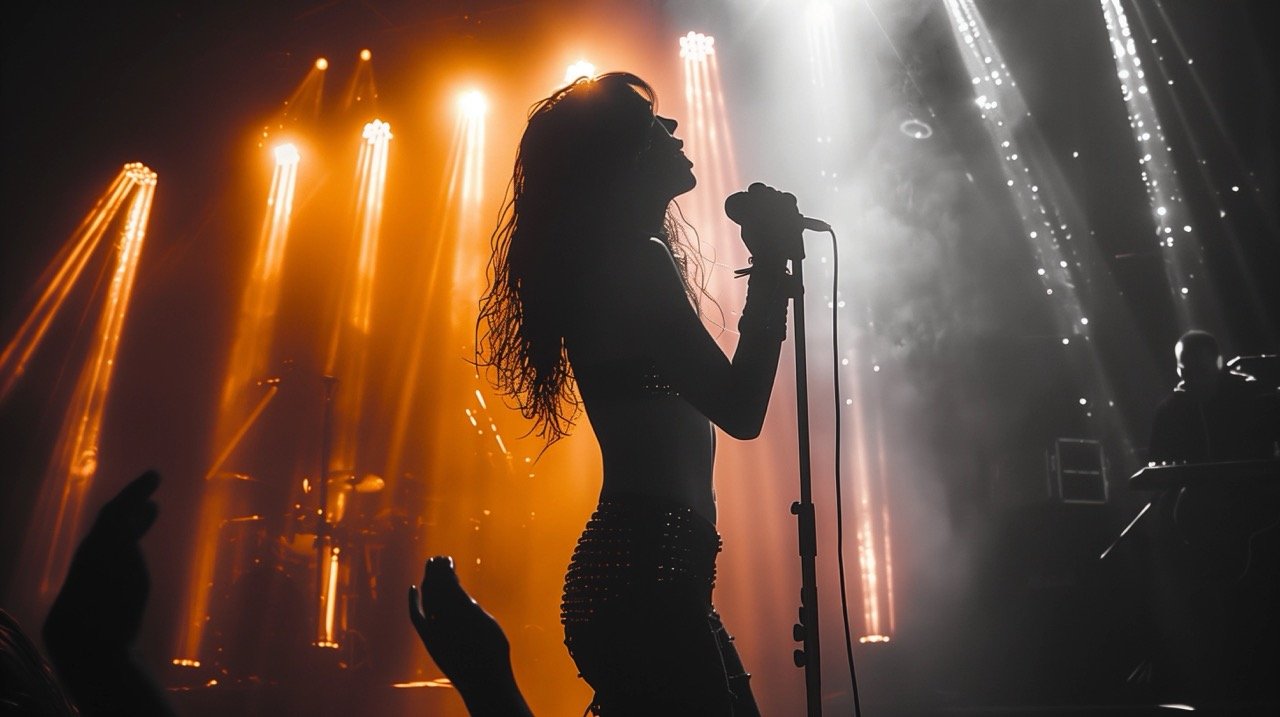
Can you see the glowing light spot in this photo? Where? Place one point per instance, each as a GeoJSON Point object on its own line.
{"type": "Point", "coordinates": [366, 55]}
{"type": "Point", "coordinates": [1185, 291]}
{"type": "Point", "coordinates": [916, 129]}
{"type": "Point", "coordinates": [697, 46]}
{"type": "Point", "coordinates": [1084, 401]}
{"type": "Point", "coordinates": [1161, 211]}
{"type": "Point", "coordinates": [1084, 320]}
{"type": "Point", "coordinates": [1040, 271]}
{"type": "Point", "coordinates": [286, 155]}
{"type": "Point", "coordinates": [322, 64]}
{"type": "Point", "coordinates": [473, 104]}
{"type": "Point", "coordinates": [376, 131]}
{"type": "Point", "coordinates": [1066, 341]}
{"type": "Point", "coordinates": [581, 68]}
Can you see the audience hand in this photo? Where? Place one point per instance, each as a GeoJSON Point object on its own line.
{"type": "Point", "coordinates": [97, 614]}
{"type": "Point", "coordinates": [465, 641]}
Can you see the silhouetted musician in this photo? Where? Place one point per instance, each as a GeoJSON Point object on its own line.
{"type": "Point", "coordinates": [1222, 428]}
{"type": "Point", "coordinates": [1214, 414]}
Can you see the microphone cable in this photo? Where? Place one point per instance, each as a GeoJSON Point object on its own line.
{"type": "Point", "coordinates": [835, 363]}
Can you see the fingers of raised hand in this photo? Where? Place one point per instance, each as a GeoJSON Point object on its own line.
{"type": "Point", "coordinates": [772, 200]}
{"type": "Point", "coordinates": [131, 513]}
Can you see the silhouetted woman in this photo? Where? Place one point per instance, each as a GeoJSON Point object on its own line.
{"type": "Point", "coordinates": [591, 284]}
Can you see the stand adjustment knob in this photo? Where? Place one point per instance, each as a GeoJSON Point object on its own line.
{"type": "Point", "coordinates": [799, 658]}
{"type": "Point", "coordinates": [797, 632]}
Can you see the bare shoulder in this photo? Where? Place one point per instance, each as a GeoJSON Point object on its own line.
{"type": "Point", "coordinates": [647, 262]}
{"type": "Point", "coordinates": [633, 264]}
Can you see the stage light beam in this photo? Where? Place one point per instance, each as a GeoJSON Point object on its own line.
{"type": "Point", "coordinates": [60, 278]}
{"type": "Point", "coordinates": [348, 354]}
{"type": "Point", "coordinates": [247, 362]}
{"type": "Point", "coordinates": [75, 459]}
{"type": "Point", "coordinates": [1184, 263]}
{"type": "Point", "coordinates": [453, 265]}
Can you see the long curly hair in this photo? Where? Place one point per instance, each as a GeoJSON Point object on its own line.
{"type": "Point", "coordinates": [560, 210]}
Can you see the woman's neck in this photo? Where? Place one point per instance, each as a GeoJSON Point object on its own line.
{"type": "Point", "coordinates": [642, 216]}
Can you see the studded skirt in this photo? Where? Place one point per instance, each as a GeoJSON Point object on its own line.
{"type": "Point", "coordinates": [636, 544]}
{"type": "Point", "coordinates": [638, 617]}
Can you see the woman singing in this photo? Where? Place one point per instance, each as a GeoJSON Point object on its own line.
{"type": "Point", "coordinates": [591, 285]}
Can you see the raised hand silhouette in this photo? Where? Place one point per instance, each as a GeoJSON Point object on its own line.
{"type": "Point", "coordinates": [465, 641]}
{"type": "Point", "coordinates": [95, 618]}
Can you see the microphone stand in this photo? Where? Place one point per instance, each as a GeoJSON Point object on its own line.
{"type": "Point", "coordinates": [806, 630]}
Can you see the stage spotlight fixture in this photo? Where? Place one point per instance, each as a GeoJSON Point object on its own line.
{"type": "Point", "coordinates": [376, 130]}
{"type": "Point", "coordinates": [366, 54]}
{"type": "Point", "coordinates": [916, 129]}
{"type": "Point", "coordinates": [322, 64]}
{"type": "Point", "coordinates": [287, 154]}
{"type": "Point", "coordinates": [581, 68]}
{"type": "Point", "coordinates": [472, 103]}
{"type": "Point", "coordinates": [696, 46]}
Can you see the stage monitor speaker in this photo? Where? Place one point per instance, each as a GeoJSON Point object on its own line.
{"type": "Point", "coordinates": [1078, 471]}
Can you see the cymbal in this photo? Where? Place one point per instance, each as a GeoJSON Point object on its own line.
{"type": "Point", "coordinates": [230, 475]}
{"type": "Point", "coordinates": [346, 480]}
{"type": "Point", "coordinates": [370, 483]}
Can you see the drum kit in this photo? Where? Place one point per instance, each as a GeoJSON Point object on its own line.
{"type": "Point", "coordinates": [302, 567]}
{"type": "Point", "coordinates": [290, 589]}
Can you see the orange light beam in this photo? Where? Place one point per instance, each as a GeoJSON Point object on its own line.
{"type": "Point", "coordinates": [467, 280]}
{"type": "Point", "coordinates": [59, 279]}
{"type": "Point", "coordinates": [248, 422]}
{"type": "Point", "coordinates": [349, 345]}
{"type": "Point", "coordinates": [348, 349]}
{"type": "Point", "coordinates": [463, 161]}
{"type": "Point", "coordinates": [247, 363]}
{"type": "Point", "coordinates": [76, 455]}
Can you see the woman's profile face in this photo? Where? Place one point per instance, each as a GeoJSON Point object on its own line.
{"type": "Point", "coordinates": [663, 169]}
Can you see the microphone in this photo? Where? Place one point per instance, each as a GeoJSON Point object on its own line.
{"type": "Point", "coordinates": [738, 208]}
